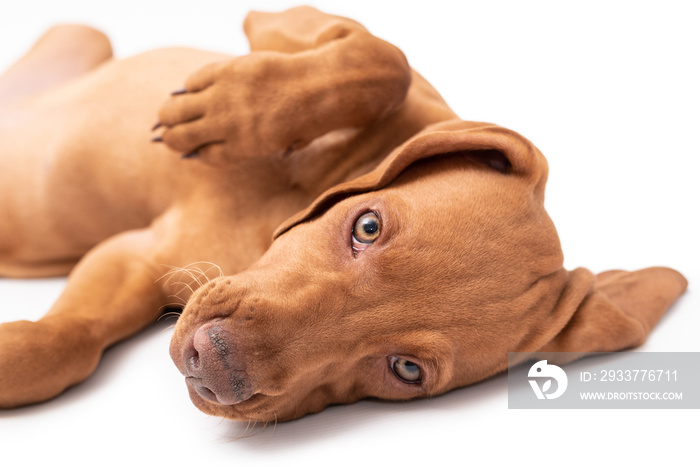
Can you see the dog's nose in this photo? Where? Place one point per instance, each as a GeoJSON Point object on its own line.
{"type": "Point", "coordinates": [214, 368]}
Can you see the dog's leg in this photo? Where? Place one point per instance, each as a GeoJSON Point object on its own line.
{"type": "Point", "coordinates": [309, 73]}
{"type": "Point", "coordinates": [111, 294]}
{"type": "Point", "coordinates": [62, 53]}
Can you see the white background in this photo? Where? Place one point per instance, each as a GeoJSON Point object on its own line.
{"type": "Point", "coordinates": [608, 90]}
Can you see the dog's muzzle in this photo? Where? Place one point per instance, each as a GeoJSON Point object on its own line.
{"type": "Point", "coordinates": [212, 366]}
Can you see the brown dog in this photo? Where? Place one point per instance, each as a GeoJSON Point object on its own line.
{"type": "Point", "coordinates": [417, 254]}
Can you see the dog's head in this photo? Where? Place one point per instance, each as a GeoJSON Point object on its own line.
{"type": "Point", "coordinates": [414, 279]}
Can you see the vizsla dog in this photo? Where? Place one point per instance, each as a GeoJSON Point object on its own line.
{"type": "Point", "coordinates": [333, 230]}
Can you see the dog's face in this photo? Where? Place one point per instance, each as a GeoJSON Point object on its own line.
{"type": "Point", "coordinates": [402, 292]}
{"type": "Point", "coordinates": [412, 280]}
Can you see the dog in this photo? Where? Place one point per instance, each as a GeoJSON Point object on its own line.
{"type": "Point", "coordinates": [331, 229]}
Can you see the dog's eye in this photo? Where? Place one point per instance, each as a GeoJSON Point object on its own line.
{"type": "Point", "coordinates": [367, 228]}
{"type": "Point", "coordinates": [405, 370]}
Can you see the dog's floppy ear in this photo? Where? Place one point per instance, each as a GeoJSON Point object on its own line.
{"type": "Point", "coordinates": [502, 149]}
{"type": "Point", "coordinates": [612, 311]}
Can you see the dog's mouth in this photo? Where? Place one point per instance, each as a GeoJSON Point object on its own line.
{"type": "Point", "coordinates": [207, 400]}
{"type": "Point", "coordinates": [235, 401]}
{"type": "Point", "coordinates": [257, 408]}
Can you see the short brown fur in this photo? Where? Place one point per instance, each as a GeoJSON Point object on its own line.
{"type": "Point", "coordinates": [321, 123]}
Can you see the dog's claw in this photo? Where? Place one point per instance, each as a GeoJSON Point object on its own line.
{"type": "Point", "coordinates": [156, 126]}
{"type": "Point", "coordinates": [157, 139]}
{"type": "Point", "coordinates": [190, 155]}
{"type": "Point", "coordinates": [177, 92]}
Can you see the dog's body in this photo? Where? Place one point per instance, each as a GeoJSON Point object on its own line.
{"type": "Point", "coordinates": [412, 250]}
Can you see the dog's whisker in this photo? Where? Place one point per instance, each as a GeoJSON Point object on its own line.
{"type": "Point", "coordinates": [178, 302]}
{"type": "Point", "coordinates": [196, 273]}
{"type": "Point", "coordinates": [167, 274]}
{"type": "Point", "coordinates": [167, 316]}
{"type": "Point", "coordinates": [188, 272]}
{"type": "Point", "coordinates": [201, 273]}
{"type": "Point", "coordinates": [185, 286]}
{"type": "Point", "coordinates": [171, 314]}
{"type": "Point", "coordinates": [193, 268]}
{"type": "Point", "coordinates": [206, 273]}
{"type": "Point", "coordinates": [253, 428]}
{"type": "Point", "coordinates": [174, 270]}
{"type": "Point", "coordinates": [213, 266]}
{"type": "Point", "coordinates": [181, 302]}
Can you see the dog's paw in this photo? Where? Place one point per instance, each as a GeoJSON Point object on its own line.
{"type": "Point", "coordinates": [39, 360]}
{"type": "Point", "coordinates": [232, 110]}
